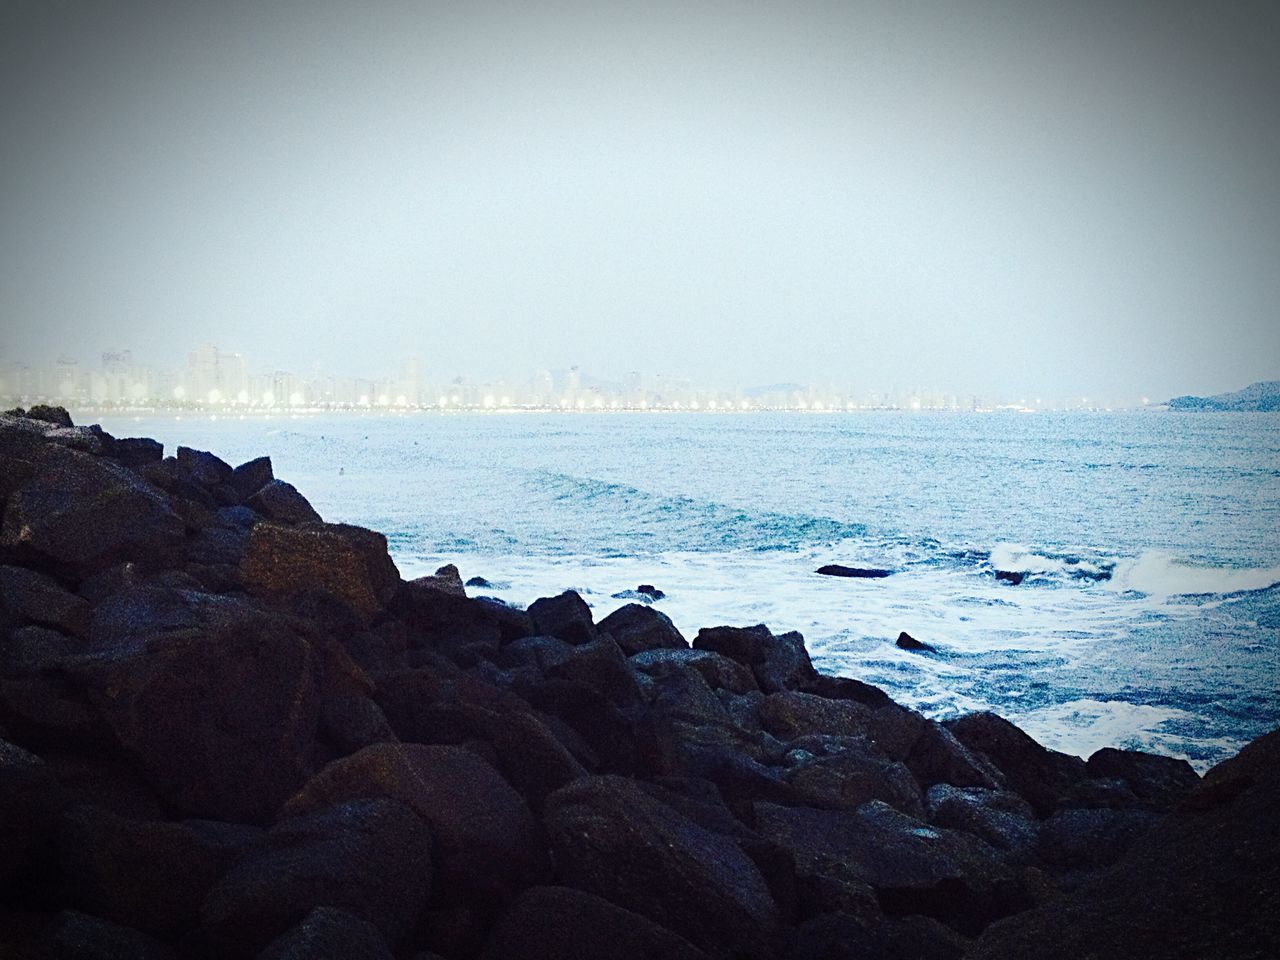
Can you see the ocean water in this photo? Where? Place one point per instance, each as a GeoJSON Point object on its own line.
{"type": "Point", "coordinates": [1149, 615]}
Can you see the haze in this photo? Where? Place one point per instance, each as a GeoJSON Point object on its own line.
{"type": "Point", "coordinates": [981, 196]}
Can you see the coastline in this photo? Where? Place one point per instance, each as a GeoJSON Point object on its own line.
{"type": "Point", "coordinates": [200, 670]}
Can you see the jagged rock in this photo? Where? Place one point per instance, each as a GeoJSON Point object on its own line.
{"type": "Point", "coordinates": [31, 650]}
{"type": "Point", "coordinates": [136, 451]}
{"type": "Point", "coordinates": [636, 628]}
{"type": "Point", "coordinates": [779, 663]}
{"type": "Point", "coordinates": [77, 936]}
{"type": "Point", "coordinates": [251, 476]}
{"type": "Point", "coordinates": [847, 688]}
{"type": "Point", "coordinates": [40, 599]}
{"type": "Point", "coordinates": [1014, 577]}
{"type": "Point", "coordinates": [29, 801]}
{"type": "Point", "coordinates": [1156, 780]}
{"type": "Point", "coordinates": [600, 665]}
{"type": "Point", "coordinates": [559, 923]}
{"type": "Point", "coordinates": [650, 590]}
{"type": "Point", "coordinates": [1086, 839]}
{"type": "Point", "coordinates": [487, 843]}
{"type": "Point", "coordinates": [49, 413]}
{"type": "Point", "coordinates": [203, 467]}
{"type": "Point", "coordinates": [790, 714]}
{"type": "Point", "coordinates": [1032, 771]}
{"type": "Point", "coordinates": [446, 579]}
{"type": "Point", "coordinates": [1001, 818]}
{"type": "Point", "coordinates": [613, 840]}
{"type": "Point", "coordinates": [329, 933]}
{"type": "Point", "coordinates": [847, 780]}
{"type": "Point", "coordinates": [906, 641]}
{"type": "Point", "coordinates": [566, 616]}
{"type": "Point", "coordinates": [937, 756]}
{"type": "Point", "coordinates": [151, 876]}
{"type": "Point", "coordinates": [82, 513]}
{"type": "Point", "coordinates": [350, 562]}
{"type": "Point", "coordinates": [861, 573]}
{"type": "Point", "coordinates": [370, 858]}
{"type": "Point", "coordinates": [281, 502]}
{"type": "Point", "coordinates": [718, 671]}
{"type": "Point", "coordinates": [349, 722]}
{"type": "Point", "coordinates": [451, 624]}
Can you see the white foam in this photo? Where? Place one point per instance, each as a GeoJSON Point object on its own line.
{"type": "Point", "coordinates": [1160, 574]}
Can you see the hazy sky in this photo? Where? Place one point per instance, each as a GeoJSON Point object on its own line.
{"type": "Point", "coordinates": [1047, 197]}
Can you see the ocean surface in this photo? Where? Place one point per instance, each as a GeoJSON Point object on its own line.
{"type": "Point", "coordinates": [1149, 615]}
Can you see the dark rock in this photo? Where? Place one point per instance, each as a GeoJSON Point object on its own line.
{"type": "Point", "coordinates": [845, 936]}
{"type": "Point", "coordinates": [613, 840]}
{"type": "Point", "coordinates": [78, 936]}
{"type": "Point", "coordinates": [58, 416]}
{"type": "Point", "coordinates": [1201, 883]}
{"type": "Point", "coordinates": [907, 642]}
{"type": "Point", "coordinates": [1030, 770]}
{"type": "Point", "coordinates": [1001, 818]}
{"type": "Point", "coordinates": [203, 467]}
{"type": "Point", "coordinates": [148, 875]}
{"type": "Point", "coordinates": [1095, 793]}
{"type": "Point", "coordinates": [718, 671]}
{"type": "Point", "coordinates": [82, 513]}
{"type": "Point", "coordinates": [251, 476]}
{"type": "Point", "coordinates": [487, 843]}
{"type": "Point", "coordinates": [479, 582]}
{"type": "Point", "coordinates": [937, 756]}
{"type": "Point", "coordinates": [1014, 577]}
{"type": "Point", "coordinates": [636, 628]}
{"type": "Point", "coordinates": [779, 663]}
{"type": "Point", "coordinates": [608, 733]}
{"type": "Point", "coordinates": [1085, 839]}
{"type": "Point", "coordinates": [329, 933]}
{"type": "Point", "coordinates": [559, 923]}
{"type": "Point", "coordinates": [370, 858]}
{"type": "Point", "coordinates": [847, 688]}
{"type": "Point", "coordinates": [107, 784]}
{"type": "Point", "coordinates": [447, 623]}
{"type": "Point", "coordinates": [847, 780]}
{"type": "Point", "coordinates": [446, 579]}
{"type": "Point", "coordinates": [790, 714]}
{"type": "Point", "coordinates": [861, 573]}
{"type": "Point", "coordinates": [1159, 781]}
{"type": "Point", "coordinates": [602, 666]}
{"type": "Point", "coordinates": [351, 721]}
{"type": "Point", "coordinates": [47, 712]}
{"type": "Point", "coordinates": [29, 801]}
{"type": "Point", "coordinates": [566, 616]}
{"type": "Point", "coordinates": [136, 451]}
{"type": "Point", "coordinates": [650, 590]}
{"type": "Point", "coordinates": [348, 561]}
{"type": "Point", "coordinates": [281, 502]}
{"type": "Point", "coordinates": [31, 650]}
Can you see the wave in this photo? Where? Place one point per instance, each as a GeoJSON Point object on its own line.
{"type": "Point", "coordinates": [1160, 574]}
{"type": "Point", "coordinates": [1015, 558]}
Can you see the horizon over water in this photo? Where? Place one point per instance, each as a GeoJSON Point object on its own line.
{"type": "Point", "coordinates": [1149, 615]}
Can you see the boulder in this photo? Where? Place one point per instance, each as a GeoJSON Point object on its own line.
{"type": "Point", "coordinates": [29, 801]}
{"type": "Point", "coordinates": [1001, 818]}
{"type": "Point", "coordinates": [281, 502]}
{"type": "Point", "coordinates": [1014, 577]}
{"type": "Point", "coordinates": [251, 476]}
{"type": "Point", "coordinates": [559, 923]}
{"type": "Point", "coordinates": [478, 582]}
{"type": "Point", "coordinates": [1157, 781]}
{"type": "Point", "coordinates": [1030, 770]}
{"type": "Point", "coordinates": [1091, 838]}
{"type": "Point", "coordinates": [613, 840]}
{"type": "Point", "coordinates": [937, 756]}
{"type": "Point", "coordinates": [148, 875]}
{"type": "Point", "coordinates": [779, 663]}
{"type": "Point", "coordinates": [446, 579]}
{"type": "Point", "coordinates": [449, 623]}
{"type": "Point", "coordinates": [136, 451]}
{"type": "Point", "coordinates": [31, 650]}
{"type": "Point", "coordinates": [39, 599]}
{"type": "Point", "coordinates": [72, 935]}
{"type": "Point", "coordinates": [566, 616]}
{"type": "Point", "coordinates": [370, 858]}
{"type": "Point", "coordinates": [329, 933]}
{"type": "Point", "coordinates": [80, 513]}
{"type": "Point", "coordinates": [635, 628]}
{"type": "Point", "coordinates": [718, 671]}
{"type": "Point", "coordinates": [846, 936]}
{"type": "Point", "coordinates": [203, 467]}
{"type": "Point", "coordinates": [906, 641]}
{"type": "Point", "coordinates": [351, 721]}
{"type": "Point", "coordinates": [847, 780]}
{"type": "Point", "coordinates": [487, 844]}
{"type": "Point", "coordinates": [860, 573]}
{"type": "Point", "coordinates": [791, 714]}
{"type": "Point", "coordinates": [350, 562]}
{"type": "Point", "coordinates": [600, 665]}
{"type": "Point", "coordinates": [49, 413]}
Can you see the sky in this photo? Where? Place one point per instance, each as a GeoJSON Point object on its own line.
{"type": "Point", "coordinates": [1048, 197]}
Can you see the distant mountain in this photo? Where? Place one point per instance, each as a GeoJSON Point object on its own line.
{"type": "Point", "coordinates": [1263, 396]}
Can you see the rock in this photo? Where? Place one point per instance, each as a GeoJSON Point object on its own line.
{"type": "Point", "coordinates": [487, 843]}
{"type": "Point", "coordinates": [58, 416]}
{"type": "Point", "coordinates": [601, 666]}
{"type": "Point", "coordinates": [350, 562]}
{"type": "Point", "coordinates": [607, 732]}
{"type": "Point", "coordinates": [448, 623]}
{"type": "Point", "coordinates": [844, 936]}
{"type": "Point", "coordinates": [77, 936]}
{"type": "Point", "coordinates": [791, 714]}
{"type": "Point", "coordinates": [203, 467]}
{"type": "Point", "coordinates": [83, 513]}
{"type": "Point", "coordinates": [650, 590]}
{"type": "Point", "coordinates": [718, 671]}
{"type": "Point", "coordinates": [937, 756]}
{"type": "Point", "coordinates": [136, 451]}
{"type": "Point", "coordinates": [1031, 771]}
{"type": "Point", "coordinates": [107, 784]}
{"type": "Point", "coordinates": [479, 582]}
{"type": "Point", "coordinates": [1001, 818]}
{"type": "Point", "coordinates": [907, 642]}
{"type": "Point", "coordinates": [1156, 780]}
{"type": "Point", "coordinates": [446, 579]}
{"type": "Point", "coordinates": [1201, 883]}
{"type": "Point", "coordinates": [281, 502]}
{"type": "Point", "coordinates": [349, 722]}
{"type": "Point", "coordinates": [847, 688]}
{"type": "Point", "coordinates": [148, 875]}
{"type": "Point", "coordinates": [29, 801]}
{"type": "Point", "coordinates": [861, 573]}
{"type": "Point", "coordinates": [40, 599]}
{"type": "Point", "coordinates": [635, 628]}
{"type": "Point", "coordinates": [220, 714]}
{"type": "Point", "coordinates": [847, 780]}
{"type": "Point", "coordinates": [559, 923]}
{"type": "Point", "coordinates": [566, 616]}
{"type": "Point", "coordinates": [1014, 577]}
{"type": "Point", "coordinates": [1086, 839]}
{"type": "Point", "coordinates": [779, 663]}
{"type": "Point", "coordinates": [251, 476]}
{"type": "Point", "coordinates": [611, 839]}
{"type": "Point", "coordinates": [370, 858]}
{"type": "Point", "coordinates": [329, 933]}
{"type": "Point", "coordinates": [31, 650]}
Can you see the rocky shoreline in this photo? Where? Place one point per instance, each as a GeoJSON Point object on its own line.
{"type": "Point", "coordinates": [230, 729]}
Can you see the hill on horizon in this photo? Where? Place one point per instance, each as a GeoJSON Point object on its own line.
{"type": "Point", "coordinates": [1263, 396]}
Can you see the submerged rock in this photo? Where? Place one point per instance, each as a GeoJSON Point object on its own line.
{"type": "Point", "coordinates": [906, 641]}
{"type": "Point", "coordinates": [860, 573]}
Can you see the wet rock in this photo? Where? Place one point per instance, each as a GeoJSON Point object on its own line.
{"type": "Point", "coordinates": [370, 858]}
{"type": "Point", "coordinates": [852, 777]}
{"type": "Point", "coordinates": [487, 843]}
{"type": "Point", "coordinates": [446, 579]}
{"type": "Point", "coordinates": [779, 663]}
{"type": "Point", "coordinates": [718, 671]}
{"type": "Point", "coordinates": [1014, 577]}
{"type": "Point", "coordinates": [1030, 770]}
{"type": "Point", "coordinates": [479, 582]}
{"type": "Point", "coordinates": [281, 502]}
{"type": "Point", "coordinates": [861, 573]}
{"type": "Point", "coordinates": [252, 476]}
{"type": "Point", "coordinates": [650, 590]}
{"type": "Point", "coordinates": [329, 933]}
{"type": "Point", "coordinates": [906, 641]}
{"type": "Point", "coordinates": [566, 616]}
{"type": "Point", "coordinates": [612, 840]}
{"type": "Point", "coordinates": [350, 562]}
{"type": "Point", "coordinates": [1156, 780]}
{"type": "Point", "coordinates": [1086, 839]}
{"type": "Point", "coordinates": [136, 451]}
{"type": "Point", "coordinates": [148, 875]}
{"type": "Point", "coordinates": [203, 467]}
{"type": "Point", "coordinates": [83, 513]}
{"type": "Point", "coordinates": [1001, 818]}
{"type": "Point", "coordinates": [559, 923]}
{"type": "Point", "coordinates": [637, 628]}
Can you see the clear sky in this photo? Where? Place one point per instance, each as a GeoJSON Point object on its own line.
{"type": "Point", "coordinates": [1051, 197]}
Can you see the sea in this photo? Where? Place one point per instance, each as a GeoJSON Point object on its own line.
{"type": "Point", "coordinates": [1147, 617]}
